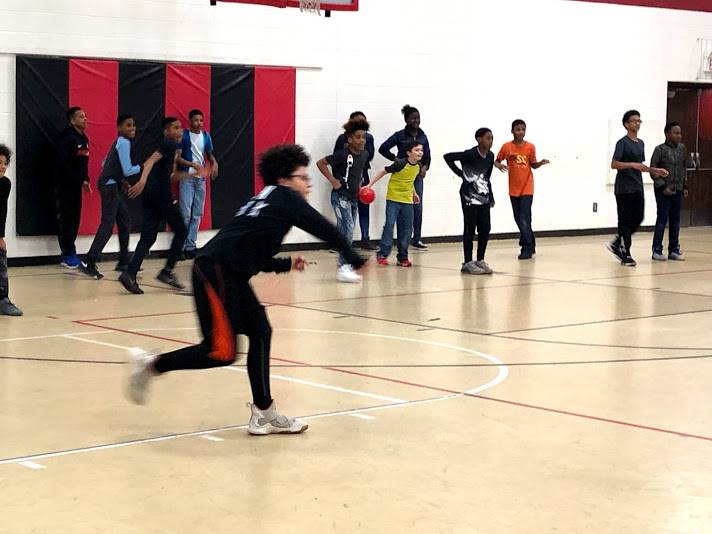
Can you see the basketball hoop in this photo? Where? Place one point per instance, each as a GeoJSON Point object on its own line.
{"type": "Point", "coordinates": [310, 6]}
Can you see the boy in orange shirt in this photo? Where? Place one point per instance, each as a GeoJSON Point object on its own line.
{"type": "Point", "coordinates": [520, 157]}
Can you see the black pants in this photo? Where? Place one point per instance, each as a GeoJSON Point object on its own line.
{"type": "Point", "coordinates": [69, 212]}
{"type": "Point", "coordinates": [477, 219]}
{"type": "Point", "coordinates": [631, 210]}
{"type": "Point", "coordinates": [114, 209]}
{"type": "Point", "coordinates": [522, 211]}
{"type": "Point", "coordinates": [226, 305]}
{"type": "Point", "coordinates": [158, 207]}
{"type": "Point", "coordinates": [669, 207]}
{"type": "Point", "coordinates": [4, 284]}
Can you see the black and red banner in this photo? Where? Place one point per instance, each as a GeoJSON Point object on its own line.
{"type": "Point", "coordinates": [247, 109]}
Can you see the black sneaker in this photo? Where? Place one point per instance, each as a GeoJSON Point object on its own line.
{"type": "Point", "coordinates": [419, 245]}
{"type": "Point", "coordinates": [628, 261]}
{"type": "Point", "coordinates": [90, 270]}
{"type": "Point", "coordinates": [525, 256]}
{"type": "Point", "coordinates": [129, 283]}
{"type": "Point", "coordinates": [190, 254]}
{"type": "Point", "coordinates": [366, 245]}
{"type": "Point", "coordinates": [167, 277]}
{"type": "Point", "coordinates": [614, 247]}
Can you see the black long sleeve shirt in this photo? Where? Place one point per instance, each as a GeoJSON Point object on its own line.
{"type": "Point", "coordinates": [73, 157]}
{"type": "Point", "coordinates": [249, 242]}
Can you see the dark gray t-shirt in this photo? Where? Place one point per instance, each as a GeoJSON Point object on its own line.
{"type": "Point", "coordinates": [347, 167]}
{"type": "Point", "coordinates": [629, 180]}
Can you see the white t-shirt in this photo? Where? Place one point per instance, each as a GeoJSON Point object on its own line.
{"type": "Point", "coordinates": [197, 147]}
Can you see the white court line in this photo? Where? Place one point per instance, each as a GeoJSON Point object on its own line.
{"type": "Point", "coordinates": [211, 438]}
{"type": "Point", "coordinates": [170, 437]}
{"type": "Point", "coordinates": [49, 336]}
{"type": "Point", "coordinates": [326, 386]}
{"type": "Point", "coordinates": [32, 465]}
{"type": "Point", "coordinates": [123, 347]}
{"type": "Point", "coordinates": [503, 370]}
{"type": "Point", "coordinates": [361, 416]}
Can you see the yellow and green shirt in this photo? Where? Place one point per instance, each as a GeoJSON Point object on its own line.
{"type": "Point", "coordinates": [400, 186]}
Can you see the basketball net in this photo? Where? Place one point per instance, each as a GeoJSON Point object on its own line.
{"type": "Point", "coordinates": [310, 6]}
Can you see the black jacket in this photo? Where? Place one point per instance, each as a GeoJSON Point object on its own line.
{"type": "Point", "coordinates": [249, 242]}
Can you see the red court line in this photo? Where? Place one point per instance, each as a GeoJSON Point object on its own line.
{"type": "Point", "coordinates": [442, 390]}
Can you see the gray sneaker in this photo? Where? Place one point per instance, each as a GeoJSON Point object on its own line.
{"type": "Point", "coordinates": [263, 422]}
{"type": "Point", "coordinates": [8, 308]}
{"type": "Point", "coordinates": [471, 268]}
{"type": "Point", "coordinates": [482, 264]}
{"type": "Point", "coordinates": [676, 256]}
{"type": "Point", "coordinates": [659, 256]}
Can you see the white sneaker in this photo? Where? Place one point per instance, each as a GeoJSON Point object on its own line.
{"type": "Point", "coordinates": [482, 264]}
{"type": "Point", "coordinates": [141, 374]}
{"type": "Point", "coordinates": [263, 422]}
{"type": "Point", "coordinates": [347, 275]}
{"type": "Point", "coordinates": [676, 256]}
{"type": "Point", "coordinates": [659, 256]}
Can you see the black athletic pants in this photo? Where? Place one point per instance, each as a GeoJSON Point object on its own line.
{"type": "Point", "coordinates": [157, 207]}
{"type": "Point", "coordinates": [477, 219]}
{"type": "Point", "coordinates": [226, 305]}
{"type": "Point", "coordinates": [631, 210]}
{"type": "Point", "coordinates": [69, 212]}
{"type": "Point", "coordinates": [114, 209]}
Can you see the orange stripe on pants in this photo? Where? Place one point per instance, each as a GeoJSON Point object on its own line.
{"type": "Point", "coordinates": [222, 335]}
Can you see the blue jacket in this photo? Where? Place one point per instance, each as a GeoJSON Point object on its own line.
{"type": "Point", "coordinates": [399, 139]}
{"type": "Point", "coordinates": [185, 149]}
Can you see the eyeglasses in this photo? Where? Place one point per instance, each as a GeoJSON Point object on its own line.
{"type": "Point", "coordinates": [302, 177]}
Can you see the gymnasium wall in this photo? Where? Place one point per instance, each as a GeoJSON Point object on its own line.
{"type": "Point", "coordinates": [569, 68]}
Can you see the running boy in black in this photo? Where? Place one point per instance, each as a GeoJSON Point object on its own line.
{"type": "Point", "coordinates": [6, 307]}
{"type": "Point", "coordinates": [158, 205]}
{"type": "Point", "coordinates": [225, 301]}
{"type": "Point", "coordinates": [72, 177]}
{"type": "Point", "coordinates": [113, 187]}
{"type": "Point", "coordinates": [476, 198]}
{"type": "Point", "coordinates": [628, 159]}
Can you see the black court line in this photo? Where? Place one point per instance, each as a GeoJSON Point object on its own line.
{"type": "Point", "coordinates": [398, 365]}
{"type": "Point", "coordinates": [602, 321]}
{"type": "Point", "coordinates": [498, 336]}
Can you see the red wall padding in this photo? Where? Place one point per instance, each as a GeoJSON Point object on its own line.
{"type": "Point", "coordinates": [94, 86]}
{"type": "Point", "coordinates": [188, 87]}
{"type": "Point", "coordinates": [691, 5]}
{"type": "Point", "coordinates": [275, 93]}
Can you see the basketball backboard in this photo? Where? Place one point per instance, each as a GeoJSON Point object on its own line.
{"type": "Point", "coordinates": [327, 5]}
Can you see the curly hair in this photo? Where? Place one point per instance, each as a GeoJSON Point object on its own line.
{"type": "Point", "coordinates": [281, 161]}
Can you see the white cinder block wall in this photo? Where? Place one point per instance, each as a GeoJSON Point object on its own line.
{"type": "Point", "coordinates": [568, 68]}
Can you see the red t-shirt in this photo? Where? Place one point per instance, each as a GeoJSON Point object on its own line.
{"type": "Point", "coordinates": [519, 160]}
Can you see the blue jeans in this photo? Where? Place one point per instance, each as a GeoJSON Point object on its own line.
{"type": "Point", "coordinates": [192, 205]}
{"type": "Point", "coordinates": [668, 211]}
{"type": "Point", "coordinates": [346, 211]}
{"type": "Point", "coordinates": [400, 215]}
{"type": "Point", "coordinates": [418, 211]}
{"type": "Point", "coordinates": [522, 210]}
{"type": "Point", "coordinates": [364, 211]}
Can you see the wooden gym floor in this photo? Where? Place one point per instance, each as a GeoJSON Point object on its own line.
{"type": "Point", "coordinates": [563, 394]}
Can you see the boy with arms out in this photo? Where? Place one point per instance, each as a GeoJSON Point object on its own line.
{"type": "Point", "coordinates": [225, 301]}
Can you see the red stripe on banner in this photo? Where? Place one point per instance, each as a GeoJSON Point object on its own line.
{"type": "Point", "coordinates": [275, 93]}
{"type": "Point", "coordinates": [94, 86]}
{"type": "Point", "coordinates": [689, 5]}
{"type": "Point", "coordinates": [188, 87]}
